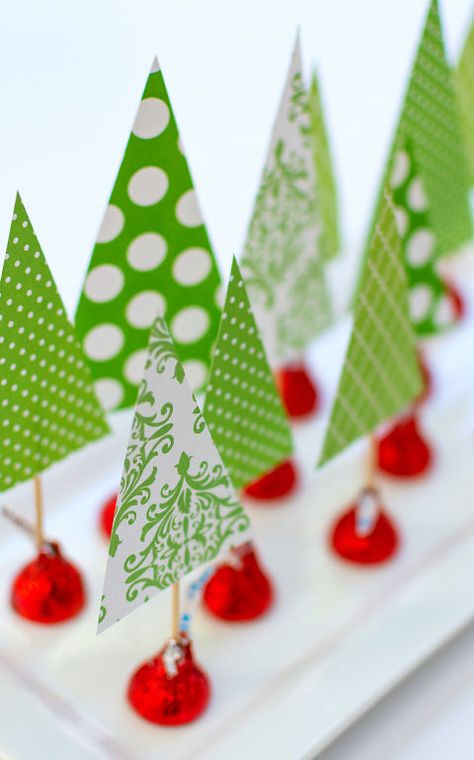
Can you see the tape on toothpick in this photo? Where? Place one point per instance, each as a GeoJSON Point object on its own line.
{"type": "Point", "coordinates": [367, 512]}
{"type": "Point", "coordinates": [193, 596]}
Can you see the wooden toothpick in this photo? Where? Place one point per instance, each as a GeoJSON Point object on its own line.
{"type": "Point", "coordinates": [39, 534]}
{"type": "Point", "coordinates": [175, 610]}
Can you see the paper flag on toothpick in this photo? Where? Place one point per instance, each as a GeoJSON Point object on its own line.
{"type": "Point", "coordinates": [380, 376]}
{"type": "Point", "coordinates": [431, 309]}
{"type": "Point", "coordinates": [464, 79]}
{"type": "Point", "coordinates": [243, 407]}
{"type": "Point", "coordinates": [281, 264]}
{"type": "Point", "coordinates": [152, 255]}
{"type": "Point", "coordinates": [330, 243]}
{"type": "Point", "coordinates": [430, 119]}
{"type": "Point", "coordinates": [48, 407]}
{"type": "Point", "coordinates": [177, 508]}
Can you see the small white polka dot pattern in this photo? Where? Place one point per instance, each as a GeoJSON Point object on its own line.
{"type": "Point", "coordinates": [152, 258]}
{"type": "Point", "coordinates": [48, 407]}
{"type": "Point", "coordinates": [242, 406]}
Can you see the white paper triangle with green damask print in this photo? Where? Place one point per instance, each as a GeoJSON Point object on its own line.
{"type": "Point", "coordinates": [177, 507]}
{"type": "Point", "coordinates": [281, 263]}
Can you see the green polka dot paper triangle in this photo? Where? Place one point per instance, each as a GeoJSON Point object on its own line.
{"type": "Point", "coordinates": [464, 79]}
{"type": "Point", "coordinates": [430, 119]}
{"type": "Point", "coordinates": [330, 243]}
{"type": "Point", "coordinates": [152, 256]}
{"type": "Point", "coordinates": [48, 407]}
{"type": "Point", "coordinates": [380, 376]}
{"type": "Point", "coordinates": [177, 508]}
{"type": "Point", "coordinates": [243, 408]}
{"type": "Point", "coordinates": [281, 263]}
{"type": "Point", "coordinates": [431, 308]}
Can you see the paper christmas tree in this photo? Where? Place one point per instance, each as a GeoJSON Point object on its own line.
{"type": "Point", "coordinates": [380, 375]}
{"type": "Point", "coordinates": [48, 407]}
{"type": "Point", "coordinates": [464, 79]}
{"type": "Point", "coordinates": [281, 262]}
{"type": "Point", "coordinates": [152, 256]}
{"type": "Point", "coordinates": [430, 120]}
{"type": "Point", "coordinates": [242, 407]}
{"type": "Point", "coordinates": [430, 305]}
{"type": "Point", "coordinates": [177, 507]}
{"type": "Point", "coordinates": [329, 243]}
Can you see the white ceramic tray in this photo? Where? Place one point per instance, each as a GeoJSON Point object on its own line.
{"type": "Point", "coordinates": [284, 687]}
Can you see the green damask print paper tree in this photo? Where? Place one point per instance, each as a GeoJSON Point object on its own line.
{"type": "Point", "coordinates": [380, 376]}
{"type": "Point", "coordinates": [330, 238]}
{"type": "Point", "coordinates": [177, 508]}
{"type": "Point", "coordinates": [152, 255]}
{"type": "Point", "coordinates": [430, 120]}
{"type": "Point", "coordinates": [48, 407]}
{"type": "Point", "coordinates": [281, 262]}
{"type": "Point", "coordinates": [242, 406]}
{"type": "Point", "coordinates": [464, 80]}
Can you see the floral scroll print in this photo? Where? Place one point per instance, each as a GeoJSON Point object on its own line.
{"type": "Point", "coordinates": [177, 507]}
{"type": "Point", "coordinates": [281, 262]}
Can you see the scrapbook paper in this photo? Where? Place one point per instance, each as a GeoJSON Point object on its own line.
{"type": "Point", "coordinates": [243, 407]}
{"type": "Point", "coordinates": [431, 308]}
{"type": "Point", "coordinates": [177, 508]}
{"type": "Point", "coordinates": [48, 408]}
{"type": "Point", "coordinates": [464, 79]}
{"type": "Point", "coordinates": [380, 375]}
{"type": "Point", "coordinates": [430, 120]}
{"type": "Point", "coordinates": [330, 242]}
{"type": "Point", "coordinates": [152, 257]}
{"type": "Point", "coordinates": [281, 263]}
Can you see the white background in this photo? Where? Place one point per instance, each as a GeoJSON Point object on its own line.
{"type": "Point", "coordinates": [71, 76]}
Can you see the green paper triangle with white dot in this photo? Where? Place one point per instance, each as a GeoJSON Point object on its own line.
{"type": "Point", "coordinates": [48, 407]}
{"type": "Point", "coordinates": [242, 407]}
{"type": "Point", "coordinates": [152, 257]}
{"type": "Point", "coordinates": [431, 308]}
{"type": "Point", "coordinates": [430, 119]}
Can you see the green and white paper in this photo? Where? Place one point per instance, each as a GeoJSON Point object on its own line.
{"type": "Point", "coordinates": [281, 262]}
{"type": "Point", "coordinates": [381, 375]}
{"type": "Point", "coordinates": [48, 408]}
{"type": "Point", "coordinates": [430, 120]}
{"type": "Point", "coordinates": [152, 257]}
{"type": "Point", "coordinates": [464, 79]}
{"type": "Point", "coordinates": [243, 408]}
{"type": "Point", "coordinates": [431, 308]}
{"type": "Point", "coordinates": [177, 508]}
{"type": "Point", "coordinates": [330, 242]}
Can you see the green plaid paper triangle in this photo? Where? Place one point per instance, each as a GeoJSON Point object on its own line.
{"type": "Point", "coordinates": [431, 308]}
{"type": "Point", "coordinates": [380, 375]}
{"type": "Point", "coordinates": [330, 242]}
{"type": "Point", "coordinates": [48, 408]}
{"type": "Point", "coordinates": [464, 79]}
{"type": "Point", "coordinates": [152, 256]}
{"type": "Point", "coordinates": [243, 408]}
{"type": "Point", "coordinates": [281, 263]}
{"type": "Point", "coordinates": [430, 119]}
